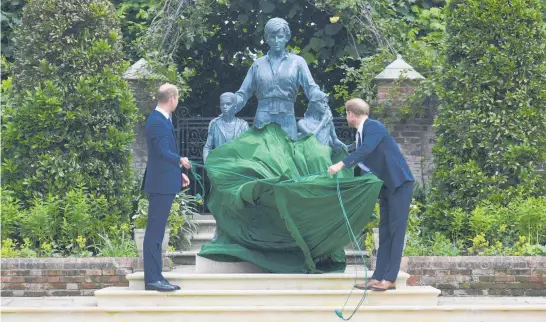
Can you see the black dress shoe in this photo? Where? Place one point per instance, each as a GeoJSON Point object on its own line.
{"type": "Point", "coordinates": [165, 282]}
{"type": "Point", "coordinates": [159, 286]}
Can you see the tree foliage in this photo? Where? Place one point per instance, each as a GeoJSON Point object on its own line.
{"type": "Point", "coordinates": [70, 119]}
{"type": "Point", "coordinates": [135, 18]}
{"type": "Point", "coordinates": [10, 18]}
{"type": "Point", "coordinates": [219, 41]}
{"type": "Point", "coordinates": [215, 42]}
{"type": "Point", "coordinates": [491, 125]}
{"type": "Point", "coordinates": [414, 29]}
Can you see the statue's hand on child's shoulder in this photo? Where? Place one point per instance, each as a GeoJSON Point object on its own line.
{"type": "Point", "coordinates": [328, 117]}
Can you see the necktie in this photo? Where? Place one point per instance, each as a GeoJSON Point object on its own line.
{"type": "Point", "coordinates": [359, 142]}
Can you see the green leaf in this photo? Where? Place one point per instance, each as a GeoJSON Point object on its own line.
{"type": "Point", "coordinates": [402, 10]}
{"type": "Point", "coordinates": [293, 11]}
{"type": "Point", "coordinates": [333, 28]}
{"type": "Point", "coordinates": [242, 18]}
{"type": "Point", "coordinates": [309, 58]}
{"type": "Point", "coordinates": [317, 43]}
{"type": "Point", "coordinates": [325, 53]}
{"type": "Point", "coordinates": [329, 41]}
{"type": "Point", "coordinates": [425, 14]}
{"type": "Point", "coordinates": [267, 6]}
{"type": "Point", "coordinates": [435, 11]}
{"type": "Point", "coordinates": [248, 6]}
{"type": "Point", "coordinates": [350, 50]}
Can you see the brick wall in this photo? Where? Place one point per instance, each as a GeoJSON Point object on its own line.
{"type": "Point", "coordinates": [479, 276]}
{"type": "Point", "coordinates": [454, 276]}
{"type": "Point", "coordinates": [416, 137]}
{"type": "Point", "coordinates": [66, 276]}
{"type": "Point", "coordinates": [416, 140]}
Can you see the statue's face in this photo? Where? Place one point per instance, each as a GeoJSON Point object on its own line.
{"type": "Point", "coordinates": [323, 106]}
{"type": "Point", "coordinates": [277, 40]}
{"type": "Point", "coordinates": [227, 104]}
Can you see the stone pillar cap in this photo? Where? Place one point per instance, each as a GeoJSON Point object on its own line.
{"type": "Point", "coordinates": [138, 70]}
{"type": "Point", "coordinates": [398, 69]}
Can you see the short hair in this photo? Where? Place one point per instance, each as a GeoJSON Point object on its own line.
{"type": "Point", "coordinates": [318, 96]}
{"type": "Point", "coordinates": [357, 106]}
{"type": "Point", "coordinates": [166, 91]}
{"type": "Point", "coordinates": [230, 95]}
{"type": "Point", "coordinates": [276, 24]}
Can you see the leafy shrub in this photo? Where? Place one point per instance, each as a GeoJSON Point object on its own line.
{"type": "Point", "coordinates": [11, 214]}
{"type": "Point", "coordinates": [517, 229]}
{"type": "Point", "coordinates": [491, 127]}
{"type": "Point", "coordinates": [42, 221]}
{"type": "Point", "coordinates": [70, 118]}
{"type": "Point", "coordinates": [58, 225]}
{"type": "Point", "coordinates": [117, 247]}
{"type": "Point", "coordinates": [11, 19]}
{"type": "Point", "coordinates": [8, 249]}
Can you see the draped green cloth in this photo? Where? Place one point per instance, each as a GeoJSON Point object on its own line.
{"type": "Point", "coordinates": [272, 209]}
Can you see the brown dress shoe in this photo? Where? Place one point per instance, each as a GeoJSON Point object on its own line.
{"type": "Point", "coordinates": [383, 286]}
{"type": "Point", "coordinates": [371, 282]}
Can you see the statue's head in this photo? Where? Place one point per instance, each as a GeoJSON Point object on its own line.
{"type": "Point", "coordinates": [318, 102]}
{"type": "Point", "coordinates": [227, 102]}
{"type": "Point", "coordinates": [277, 33]}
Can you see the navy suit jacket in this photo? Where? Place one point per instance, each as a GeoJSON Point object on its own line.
{"type": "Point", "coordinates": [163, 172]}
{"type": "Point", "coordinates": [381, 154]}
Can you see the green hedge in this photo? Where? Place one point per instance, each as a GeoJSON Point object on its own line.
{"type": "Point", "coordinates": [69, 122]}
{"type": "Point", "coordinates": [491, 124]}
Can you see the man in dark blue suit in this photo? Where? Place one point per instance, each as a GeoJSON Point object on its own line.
{"type": "Point", "coordinates": [163, 180]}
{"type": "Point", "coordinates": [377, 149]}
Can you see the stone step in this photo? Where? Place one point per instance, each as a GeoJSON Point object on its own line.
{"type": "Point", "coordinates": [241, 313]}
{"type": "Point", "coordinates": [199, 240]}
{"type": "Point", "coordinates": [184, 257]}
{"type": "Point", "coordinates": [205, 226]}
{"type": "Point", "coordinates": [264, 281]}
{"type": "Point", "coordinates": [205, 216]}
{"type": "Point", "coordinates": [188, 257]}
{"type": "Point", "coordinates": [125, 297]}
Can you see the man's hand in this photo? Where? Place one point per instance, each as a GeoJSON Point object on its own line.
{"type": "Point", "coordinates": [185, 162]}
{"type": "Point", "coordinates": [333, 169]}
{"type": "Point", "coordinates": [185, 181]}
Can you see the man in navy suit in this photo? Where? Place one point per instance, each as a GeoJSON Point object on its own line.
{"type": "Point", "coordinates": [163, 180]}
{"type": "Point", "coordinates": [377, 149]}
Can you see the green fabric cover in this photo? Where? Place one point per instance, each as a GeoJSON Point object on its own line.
{"type": "Point", "coordinates": [284, 227]}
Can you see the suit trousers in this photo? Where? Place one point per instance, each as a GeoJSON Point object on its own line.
{"type": "Point", "coordinates": [158, 213]}
{"type": "Point", "coordinates": [394, 210]}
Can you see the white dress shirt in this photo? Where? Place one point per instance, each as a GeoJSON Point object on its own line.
{"type": "Point", "coordinates": [162, 111]}
{"type": "Point", "coordinates": [359, 134]}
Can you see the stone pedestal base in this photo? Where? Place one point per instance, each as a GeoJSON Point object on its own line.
{"type": "Point", "coordinates": [207, 266]}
